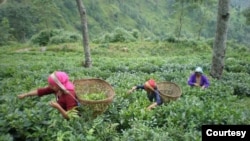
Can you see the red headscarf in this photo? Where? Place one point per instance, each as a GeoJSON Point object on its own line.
{"type": "Point", "coordinates": [151, 84]}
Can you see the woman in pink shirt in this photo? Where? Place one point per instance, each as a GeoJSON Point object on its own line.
{"type": "Point", "coordinates": [60, 85]}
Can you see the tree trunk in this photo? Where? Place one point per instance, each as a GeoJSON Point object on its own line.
{"type": "Point", "coordinates": [180, 19]}
{"type": "Point", "coordinates": [82, 11]}
{"type": "Point", "coordinates": [219, 47]}
{"type": "Point", "coordinates": [201, 23]}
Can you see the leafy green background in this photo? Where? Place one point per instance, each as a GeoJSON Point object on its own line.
{"type": "Point", "coordinates": [24, 67]}
{"type": "Point", "coordinates": [130, 42]}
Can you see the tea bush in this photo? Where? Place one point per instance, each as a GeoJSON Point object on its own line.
{"type": "Point", "coordinates": [224, 102]}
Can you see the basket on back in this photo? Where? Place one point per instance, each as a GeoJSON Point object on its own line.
{"type": "Point", "coordinates": [169, 91]}
{"type": "Point", "coordinates": [94, 86]}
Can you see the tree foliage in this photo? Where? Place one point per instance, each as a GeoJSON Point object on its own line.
{"type": "Point", "coordinates": [21, 19]}
{"type": "Point", "coordinates": [153, 19]}
{"type": "Point", "coordinates": [46, 37]}
{"type": "Point", "coordinates": [5, 31]}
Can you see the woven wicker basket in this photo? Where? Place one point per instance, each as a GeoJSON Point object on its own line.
{"type": "Point", "coordinates": [169, 91]}
{"type": "Point", "coordinates": [94, 85]}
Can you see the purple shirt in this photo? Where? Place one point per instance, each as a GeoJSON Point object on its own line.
{"type": "Point", "coordinates": [204, 80]}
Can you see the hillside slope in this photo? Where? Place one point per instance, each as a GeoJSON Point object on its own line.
{"type": "Point", "coordinates": [155, 19]}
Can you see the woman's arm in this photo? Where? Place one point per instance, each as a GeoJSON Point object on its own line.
{"type": "Point", "coordinates": [60, 109]}
{"type": "Point", "coordinates": [135, 88]}
{"type": "Point", "coordinates": [206, 82]}
{"type": "Point", "coordinates": [31, 93]}
{"type": "Point", "coordinates": [152, 106]}
{"type": "Point", "coordinates": [191, 80]}
{"type": "Point", "coordinates": [131, 90]}
{"type": "Point", "coordinates": [38, 92]}
{"type": "Point", "coordinates": [158, 97]}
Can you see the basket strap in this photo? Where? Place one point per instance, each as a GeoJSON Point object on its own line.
{"type": "Point", "coordinates": [78, 103]}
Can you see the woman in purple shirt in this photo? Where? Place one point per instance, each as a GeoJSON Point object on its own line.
{"type": "Point", "coordinates": [198, 79]}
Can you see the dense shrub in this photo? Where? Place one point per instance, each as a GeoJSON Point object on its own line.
{"type": "Point", "coordinates": [118, 35]}
{"type": "Point", "coordinates": [171, 39]}
{"type": "Point", "coordinates": [241, 89]}
{"type": "Point", "coordinates": [139, 132]}
{"type": "Point", "coordinates": [240, 83]}
{"type": "Point", "coordinates": [43, 37]}
{"type": "Point", "coordinates": [135, 33]}
{"type": "Point", "coordinates": [65, 38]}
{"type": "Point", "coordinates": [46, 37]}
{"type": "Point", "coordinates": [122, 35]}
{"type": "Point", "coordinates": [5, 31]}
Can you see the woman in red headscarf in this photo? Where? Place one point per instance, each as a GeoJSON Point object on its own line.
{"type": "Point", "coordinates": [152, 93]}
{"type": "Point", "coordinates": [60, 85]}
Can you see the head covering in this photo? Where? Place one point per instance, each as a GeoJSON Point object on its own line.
{"type": "Point", "coordinates": [198, 69]}
{"type": "Point", "coordinates": [61, 79]}
{"type": "Point", "coordinates": [151, 84]}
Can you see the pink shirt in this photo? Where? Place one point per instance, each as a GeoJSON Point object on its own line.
{"type": "Point", "coordinates": [66, 101]}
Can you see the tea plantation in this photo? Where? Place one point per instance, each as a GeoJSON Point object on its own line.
{"type": "Point", "coordinates": [24, 67]}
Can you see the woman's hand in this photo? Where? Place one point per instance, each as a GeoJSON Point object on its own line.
{"type": "Point", "coordinates": [149, 108]}
{"type": "Point", "coordinates": [131, 90]}
{"type": "Point", "coordinates": [196, 84]}
{"type": "Point", "coordinates": [203, 87]}
{"type": "Point", "coordinates": [54, 104]}
{"type": "Point", "coordinates": [153, 105]}
{"type": "Point", "coordinates": [21, 96]}
{"type": "Point", "coordinates": [59, 108]}
{"type": "Point", "coordinates": [31, 93]}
